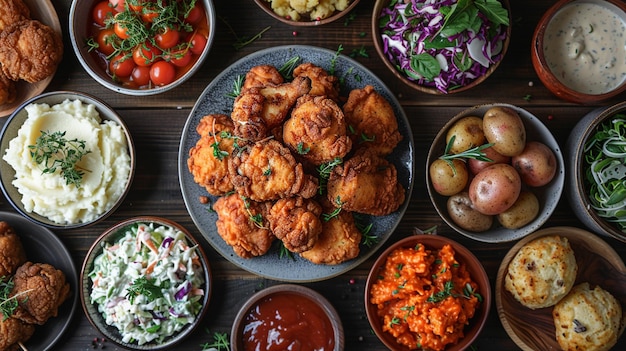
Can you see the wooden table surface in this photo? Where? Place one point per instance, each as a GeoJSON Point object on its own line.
{"type": "Point", "coordinates": [156, 124]}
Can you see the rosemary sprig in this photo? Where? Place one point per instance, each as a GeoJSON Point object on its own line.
{"type": "Point", "coordinates": [220, 342]}
{"type": "Point", "coordinates": [237, 86]}
{"type": "Point", "coordinates": [475, 153]}
{"type": "Point", "coordinates": [328, 216]}
{"type": "Point", "coordinates": [54, 151]}
{"type": "Point", "coordinates": [324, 171]}
{"type": "Point", "coordinates": [287, 69]}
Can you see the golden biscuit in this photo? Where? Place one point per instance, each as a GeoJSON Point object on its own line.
{"type": "Point", "coordinates": [587, 319]}
{"type": "Point", "coordinates": [542, 272]}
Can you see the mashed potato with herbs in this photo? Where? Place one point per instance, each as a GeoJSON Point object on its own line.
{"type": "Point", "coordinates": [313, 9]}
{"type": "Point", "coordinates": [106, 166]}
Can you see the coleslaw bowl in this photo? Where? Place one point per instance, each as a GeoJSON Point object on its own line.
{"type": "Point", "coordinates": [168, 280]}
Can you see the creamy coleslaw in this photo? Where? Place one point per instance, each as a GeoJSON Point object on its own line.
{"type": "Point", "coordinates": [148, 283]}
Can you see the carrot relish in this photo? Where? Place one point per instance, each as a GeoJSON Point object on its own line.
{"type": "Point", "coordinates": [425, 297]}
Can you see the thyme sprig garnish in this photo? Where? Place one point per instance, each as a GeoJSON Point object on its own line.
{"type": "Point", "coordinates": [8, 303]}
{"type": "Point", "coordinates": [53, 151]}
{"type": "Point", "coordinates": [324, 170]}
{"type": "Point", "coordinates": [442, 294]}
{"type": "Point", "coordinates": [338, 205]}
{"type": "Point", "coordinates": [146, 287]}
{"type": "Point", "coordinates": [220, 342]}
{"type": "Point", "coordinates": [256, 219]}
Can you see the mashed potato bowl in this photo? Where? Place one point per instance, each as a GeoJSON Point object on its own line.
{"type": "Point", "coordinates": [299, 13]}
{"type": "Point", "coordinates": [108, 167]}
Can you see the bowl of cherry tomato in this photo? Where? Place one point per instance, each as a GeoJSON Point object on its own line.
{"type": "Point", "coordinates": [141, 47]}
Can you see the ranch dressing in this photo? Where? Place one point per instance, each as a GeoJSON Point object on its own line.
{"type": "Point", "coordinates": [585, 47]}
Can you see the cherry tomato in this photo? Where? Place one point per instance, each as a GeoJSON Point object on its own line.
{"type": "Point", "coordinates": [104, 40]}
{"type": "Point", "coordinates": [198, 43]}
{"type": "Point", "coordinates": [149, 15]}
{"type": "Point", "coordinates": [181, 58]}
{"type": "Point", "coordinates": [101, 12]}
{"type": "Point", "coordinates": [121, 65]}
{"type": "Point", "coordinates": [167, 38]}
{"type": "Point", "coordinates": [162, 73]}
{"type": "Point", "coordinates": [120, 30]}
{"type": "Point", "coordinates": [136, 5]}
{"type": "Point", "coordinates": [145, 54]}
{"type": "Point", "coordinates": [141, 76]}
{"type": "Point", "coordinates": [196, 14]}
{"type": "Point", "coordinates": [118, 5]}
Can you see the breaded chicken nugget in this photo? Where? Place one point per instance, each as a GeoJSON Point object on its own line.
{"type": "Point", "coordinates": [208, 159]}
{"type": "Point", "coordinates": [339, 240]}
{"type": "Point", "coordinates": [30, 50]}
{"type": "Point", "coordinates": [296, 222]}
{"type": "Point", "coordinates": [268, 171]}
{"type": "Point", "coordinates": [366, 183]}
{"type": "Point", "coordinates": [8, 90]}
{"type": "Point", "coordinates": [12, 332]}
{"type": "Point", "coordinates": [322, 83]}
{"type": "Point", "coordinates": [372, 120]}
{"type": "Point", "coordinates": [42, 289]}
{"type": "Point", "coordinates": [242, 224]}
{"type": "Point", "coordinates": [12, 254]}
{"type": "Point", "coordinates": [317, 130]}
{"type": "Point", "coordinates": [12, 11]}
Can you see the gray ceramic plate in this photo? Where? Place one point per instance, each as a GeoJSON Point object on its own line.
{"type": "Point", "coordinates": [43, 246]}
{"type": "Point", "coordinates": [214, 100]}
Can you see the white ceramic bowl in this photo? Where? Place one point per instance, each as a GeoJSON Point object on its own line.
{"type": "Point", "coordinates": [96, 66]}
{"type": "Point", "coordinates": [10, 131]}
{"type": "Point", "coordinates": [548, 195]}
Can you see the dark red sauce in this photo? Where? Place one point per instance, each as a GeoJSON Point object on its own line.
{"type": "Point", "coordinates": [287, 322]}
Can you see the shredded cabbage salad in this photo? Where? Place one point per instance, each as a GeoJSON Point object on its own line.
{"type": "Point", "coordinates": [605, 172]}
{"type": "Point", "coordinates": [148, 284]}
{"type": "Point", "coordinates": [444, 44]}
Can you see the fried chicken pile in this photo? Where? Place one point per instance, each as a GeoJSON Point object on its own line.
{"type": "Point", "coordinates": [36, 290]}
{"type": "Point", "coordinates": [29, 50]}
{"type": "Point", "coordinates": [291, 163]}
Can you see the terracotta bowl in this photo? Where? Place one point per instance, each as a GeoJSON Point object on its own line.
{"type": "Point", "coordinates": [598, 264]}
{"type": "Point", "coordinates": [289, 301]}
{"type": "Point", "coordinates": [548, 195]}
{"type": "Point", "coordinates": [552, 79]}
{"type": "Point", "coordinates": [111, 236]}
{"type": "Point", "coordinates": [380, 49]}
{"type": "Point", "coordinates": [578, 193]}
{"type": "Point", "coordinates": [10, 131]}
{"type": "Point", "coordinates": [305, 20]}
{"type": "Point", "coordinates": [463, 256]}
{"type": "Point", "coordinates": [97, 66]}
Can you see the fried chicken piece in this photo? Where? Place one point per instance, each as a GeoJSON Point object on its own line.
{"type": "Point", "coordinates": [268, 171]}
{"type": "Point", "coordinates": [242, 225]}
{"type": "Point", "coordinates": [262, 75]}
{"type": "Point", "coordinates": [257, 110]}
{"type": "Point", "coordinates": [208, 159]}
{"type": "Point", "coordinates": [12, 254]}
{"type": "Point", "coordinates": [296, 222]}
{"type": "Point", "coordinates": [373, 121]}
{"type": "Point", "coordinates": [30, 50]}
{"type": "Point", "coordinates": [8, 89]}
{"type": "Point", "coordinates": [12, 332]}
{"type": "Point", "coordinates": [316, 130]}
{"type": "Point", "coordinates": [12, 11]}
{"type": "Point", "coordinates": [41, 289]}
{"type": "Point", "coordinates": [322, 83]}
{"type": "Point", "coordinates": [366, 183]}
{"type": "Point", "coordinates": [339, 240]}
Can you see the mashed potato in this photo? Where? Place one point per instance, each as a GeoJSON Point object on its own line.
{"type": "Point", "coordinates": [106, 167]}
{"type": "Point", "coordinates": [313, 9]}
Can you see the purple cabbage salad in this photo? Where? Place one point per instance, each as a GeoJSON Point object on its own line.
{"type": "Point", "coordinates": [445, 44]}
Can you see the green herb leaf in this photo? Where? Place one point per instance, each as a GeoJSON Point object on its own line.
{"type": "Point", "coordinates": [146, 287]}
{"type": "Point", "coordinates": [425, 65]}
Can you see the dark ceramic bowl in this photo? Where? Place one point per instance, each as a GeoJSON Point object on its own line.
{"type": "Point", "coordinates": [546, 72]}
{"type": "Point", "coordinates": [578, 193]}
{"type": "Point", "coordinates": [111, 236]}
{"type": "Point", "coordinates": [305, 20]}
{"type": "Point", "coordinates": [548, 195]}
{"type": "Point", "coordinates": [314, 313]}
{"type": "Point", "coordinates": [10, 131]}
{"type": "Point", "coordinates": [97, 67]}
{"type": "Point", "coordinates": [464, 257]}
{"type": "Point", "coordinates": [380, 49]}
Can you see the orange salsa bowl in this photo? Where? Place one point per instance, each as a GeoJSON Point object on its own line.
{"type": "Point", "coordinates": [427, 292]}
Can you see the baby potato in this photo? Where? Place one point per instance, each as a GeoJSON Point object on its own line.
{"type": "Point", "coordinates": [536, 165]}
{"type": "Point", "coordinates": [476, 165]}
{"type": "Point", "coordinates": [445, 180]}
{"type": "Point", "coordinates": [504, 128]}
{"type": "Point", "coordinates": [494, 189]}
{"type": "Point", "coordinates": [467, 132]}
{"type": "Point", "coordinates": [523, 211]}
{"type": "Point", "coordinates": [462, 213]}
